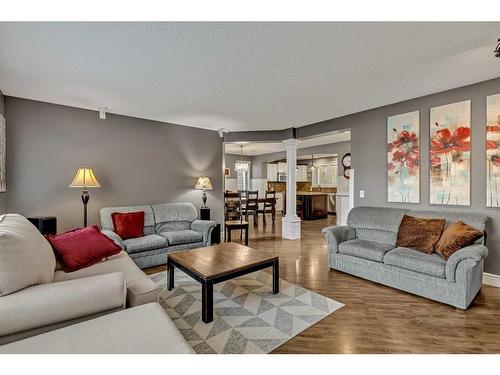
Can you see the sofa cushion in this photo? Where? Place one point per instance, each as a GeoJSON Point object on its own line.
{"type": "Point", "coordinates": [145, 329]}
{"type": "Point", "coordinates": [180, 237]}
{"type": "Point", "coordinates": [429, 264]}
{"type": "Point", "coordinates": [26, 257]}
{"type": "Point", "coordinates": [174, 216]}
{"type": "Point", "coordinates": [455, 237]}
{"type": "Point", "coordinates": [420, 234]}
{"type": "Point", "coordinates": [128, 224]}
{"type": "Point", "coordinates": [145, 243]}
{"type": "Point", "coordinates": [140, 288]}
{"type": "Point", "coordinates": [374, 224]}
{"type": "Point", "coordinates": [365, 249]}
{"type": "Point", "coordinates": [82, 247]}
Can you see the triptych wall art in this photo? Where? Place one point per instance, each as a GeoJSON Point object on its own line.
{"type": "Point", "coordinates": [492, 150]}
{"type": "Point", "coordinates": [449, 155]}
{"type": "Point", "coordinates": [403, 158]}
{"type": "Point", "coordinates": [3, 185]}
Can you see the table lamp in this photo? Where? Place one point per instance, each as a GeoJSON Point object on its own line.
{"type": "Point", "coordinates": [204, 184]}
{"type": "Point", "coordinates": [85, 179]}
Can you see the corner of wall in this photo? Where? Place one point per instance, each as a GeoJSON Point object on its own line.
{"type": "Point", "coordinates": [3, 200]}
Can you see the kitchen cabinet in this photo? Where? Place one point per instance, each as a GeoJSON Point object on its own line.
{"type": "Point", "coordinates": [279, 202]}
{"type": "Point", "coordinates": [301, 173]}
{"type": "Point", "coordinates": [314, 205]}
{"type": "Point", "coordinates": [272, 172]}
{"type": "Point", "coordinates": [281, 167]}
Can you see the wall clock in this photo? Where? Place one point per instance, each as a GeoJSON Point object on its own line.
{"type": "Point", "coordinates": [347, 173]}
{"type": "Point", "coordinates": [346, 161]}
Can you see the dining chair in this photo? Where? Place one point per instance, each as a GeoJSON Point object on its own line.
{"type": "Point", "coordinates": [252, 205]}
{"type": "Point", "coordinates": [269, 206]}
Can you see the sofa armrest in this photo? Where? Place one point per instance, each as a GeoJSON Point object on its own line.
{"type": "Point", "coordinates": [204, 227]}
{"type": "Point", "coordinates": [114, 237]}
{"type": "Point", "coordinates": [474, 252]}
{"type": "Point", "coordinates": [47, 304]}
{"type": "Point", "coordinates": [336, 235]}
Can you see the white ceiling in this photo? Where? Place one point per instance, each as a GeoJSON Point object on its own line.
{"type": "Point", "coordinates": [242, 76]}
{"type": "Point", "coordinates": [253, 149]}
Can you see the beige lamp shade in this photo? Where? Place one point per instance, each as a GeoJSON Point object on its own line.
{"type": "Point", "coordinates": [203, 183]}
{"type": "Point", "coordinates": [84, 178]}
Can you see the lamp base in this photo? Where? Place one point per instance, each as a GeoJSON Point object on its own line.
{"type": "Point", "coordinates": [204, 199]}
{"type": "Point", "coordinates": [85, 200]}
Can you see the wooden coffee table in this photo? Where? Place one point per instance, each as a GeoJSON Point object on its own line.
{"type": "Point", "coordinates": [214, 264]}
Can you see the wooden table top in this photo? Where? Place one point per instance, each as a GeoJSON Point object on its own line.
{"type": "Point", "coordinates": [310, 193]}
{"type": "Point", "coordinates": [235, 222]}
{"type": "Point", "coordinates": [225, 258]}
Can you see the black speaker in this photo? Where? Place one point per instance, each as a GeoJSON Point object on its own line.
{"type": "Point", "coordinates": [45, 224]}
{"type": "Point", "coordinates": [204, 213]}
{"type": "Point", "coordinates": [215, 238]}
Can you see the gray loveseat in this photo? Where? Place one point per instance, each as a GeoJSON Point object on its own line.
{"type": "Point", "coordinates": [365, 247]}
{"type": "Point", "coordinates": [168, 228]}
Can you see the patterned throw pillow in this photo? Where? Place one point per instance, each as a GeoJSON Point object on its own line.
{"type": "Point", "coordinates": [420, 234]}
{"type": "Point", "coordinates": [455, 237]}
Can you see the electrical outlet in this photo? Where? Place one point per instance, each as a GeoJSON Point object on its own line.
{"type": "Point", "coordinates": [361, 193]}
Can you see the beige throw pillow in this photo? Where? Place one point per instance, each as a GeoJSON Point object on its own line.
{"type": "Point", "coordinates": [26, 257]}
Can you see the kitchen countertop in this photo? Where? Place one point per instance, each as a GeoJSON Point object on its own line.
{"type": "Point", "coordinates": [311, 193]}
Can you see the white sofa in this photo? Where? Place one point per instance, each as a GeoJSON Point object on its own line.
{"type": "Point", "coordinates": [144, 329]}
{"type": "Point", "coordinates": [36, 298]}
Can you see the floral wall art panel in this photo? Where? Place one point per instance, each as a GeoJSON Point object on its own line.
{"type": "Point", "coordinates": [493, 150]}
{"type": "Point", "coordinates": [3, 185]}
{"type": "Point", "coordinates": [450, 154]}
{"type": "Point", "coordinates": [403, 158]}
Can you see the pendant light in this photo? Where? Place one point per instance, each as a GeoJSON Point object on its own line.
{"type": "Point", "coordinates": [241, 166]}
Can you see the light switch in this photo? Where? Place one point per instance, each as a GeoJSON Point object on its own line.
{"type": "Point", "coordinates": [361, 193]}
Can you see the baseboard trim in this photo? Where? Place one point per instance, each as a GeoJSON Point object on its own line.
{"type": "Point", "coordinates": [491, 279]}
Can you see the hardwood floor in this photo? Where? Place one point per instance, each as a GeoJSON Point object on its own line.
{"type": "Point", "coordinates": [375, 318]}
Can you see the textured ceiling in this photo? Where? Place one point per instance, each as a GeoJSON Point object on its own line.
{"type": "Point", "coordinates": [254, 148]}
{"type": "Point", "coordinates": [241, 76]}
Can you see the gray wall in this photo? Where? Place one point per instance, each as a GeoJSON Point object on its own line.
{"type": "Point", "coordinates": [260, 136]}
{"type": "Point", "coordinates": [136, 161]}
{"type": "Point", "coordinates": [2, 195]}
{"type": "Point", "coordinates": [368, 147]}
{"type": "Point", "coordinates": [259, 169]}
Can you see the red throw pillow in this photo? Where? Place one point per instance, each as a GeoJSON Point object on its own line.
{"type": "Point", "coordinates": [129, 224]}
{"type": "Point", "coordinates": [82, 247]}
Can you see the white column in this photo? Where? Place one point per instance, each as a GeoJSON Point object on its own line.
{"type": "Point", "coordinates": [291, 222]}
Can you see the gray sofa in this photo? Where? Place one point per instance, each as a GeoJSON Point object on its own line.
{"type": "Point", "coordinates": [168, 228]}
{"type": "Point", "coordinates": [365, 247]}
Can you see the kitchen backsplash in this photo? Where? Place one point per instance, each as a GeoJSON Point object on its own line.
{"type": "Point", "coordinates": [281, 186]}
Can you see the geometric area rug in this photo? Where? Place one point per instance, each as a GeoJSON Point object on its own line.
{"type": "Point", "coordinates": [248, 318]}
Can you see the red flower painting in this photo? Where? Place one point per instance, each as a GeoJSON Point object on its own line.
{"type": "Point", "coordinates": [403, 158]}
{"type": "Point", "coordinates": [449, 154]}
{"type": "Point", "coordinates": [493, 151]}
{"type": "Point", "coordinates": [445, 141]}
